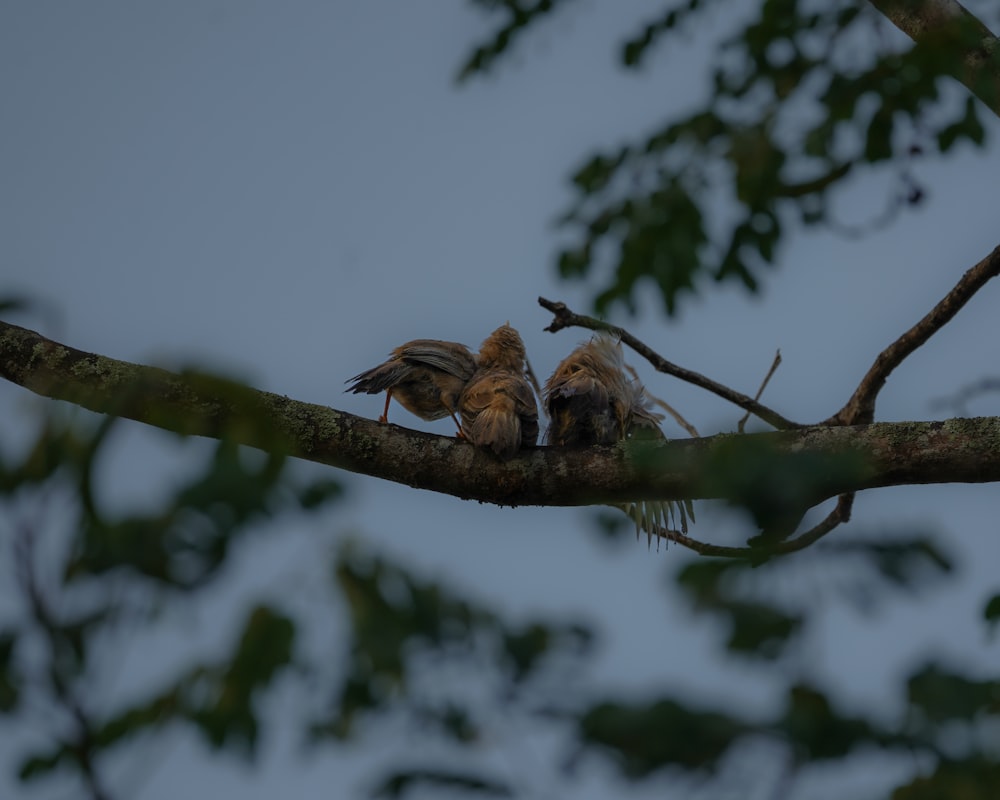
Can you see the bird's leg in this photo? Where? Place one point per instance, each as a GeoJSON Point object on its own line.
{"type": "Point", "coordinates": [459, 434]}
{"type": "Point", "coordinates": [385, 411]}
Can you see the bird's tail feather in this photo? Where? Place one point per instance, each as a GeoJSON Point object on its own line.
{"type": "Point", "coordinates": [497, 429]}
{"type": "Point", "coordinates": [656, 517]}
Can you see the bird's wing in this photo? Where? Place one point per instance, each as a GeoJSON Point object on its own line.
{"type": "Point", "coordinates": [380, 378]}
{"type": "Point", "coordinates": [451, 357]}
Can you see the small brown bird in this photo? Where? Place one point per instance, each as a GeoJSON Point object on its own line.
{"type": "Point", "coordinates": [591, 400]}
{"type": "Point", "coordinates": [588, 396]}
{"type": "Point", "coordinates": [498, 406]}
{"type": "Point", "coordinates": [426, 376]}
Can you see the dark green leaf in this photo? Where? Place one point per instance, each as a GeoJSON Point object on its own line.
{"type": "Point", "coordinates": [320, 492]}
{"type": "Point", "coordinates": [940, 696]}
{"type": "Point", "coordinates": [646, 737]}
{"type": "Point", "coordinates": [969, 779]}
{"type": "Point", "coordinates": [760, 630]}
{"type": "Point", "coordinates": [10, 684]}
{"type": "Point", "coordinates": [817, 731]}
{"type": "Point", "coordinates": [991, 612]}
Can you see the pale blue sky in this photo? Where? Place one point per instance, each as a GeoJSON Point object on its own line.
{"type": "Point", "coordinates": [287, 191]}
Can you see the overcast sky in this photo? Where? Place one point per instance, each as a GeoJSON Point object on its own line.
{"type": "Point", "coordinates": [285, 192]}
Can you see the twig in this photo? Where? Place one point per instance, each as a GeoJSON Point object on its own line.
{"type": "Point", "coordinates": [840, 514]}
{"type": "Point", "coordinates": [860, 409]}
{"type": "Point", "coordinates": [774, 366]}
{"type": "Point", "coordinates": [564, 318]}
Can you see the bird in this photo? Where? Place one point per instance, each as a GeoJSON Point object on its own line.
{"type": "Point", "coordinates": [426, 376]}
{"type": "Point", "coordinates": [590, 400]}
{"type": "Point", "coordinates": [498, 406]}
{"type": "Point", "coordinates": [587, 397]}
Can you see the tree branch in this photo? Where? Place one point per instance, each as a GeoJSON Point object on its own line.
{"type": "Point", "coordinates": [860, 409]}
{"type": "Point", "coordinates": [841, 513]}
{"type": "Point", "coordinates": [947, 26]}
{"type": "Point", "coordinates": [564, 318]}
{"type": "Point", "coordinates": [826, 461]}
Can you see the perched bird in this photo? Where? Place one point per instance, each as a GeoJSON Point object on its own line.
{"type": "Point", "coordinates": [588, 396]}
{"type": "Point", "coordinates": [426, 376]}
{"type": "Point", "coordinates": [591, 400]}
{"type": "Point", "coordinates": [498, 406]}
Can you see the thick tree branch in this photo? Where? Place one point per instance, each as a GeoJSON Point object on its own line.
{"type": "Point", "coordinates": [860, 409]}
{"type": "Point", "coordinates": [946, 26]}
{"type": "Point", "coordinates": [564, 318]}
{"type": "Point", "coordinates": [809, 464]}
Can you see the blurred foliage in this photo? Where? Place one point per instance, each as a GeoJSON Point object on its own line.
{"type": "Point", "coordinates": [424, 657]}
{"type": "Point", "coordinates": [108, 572]}
{"type": "Point", "coordinates": [800, 98]}
{"type": "Point", "coordinates": [803, 96]}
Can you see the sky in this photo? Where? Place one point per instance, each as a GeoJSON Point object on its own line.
{"type": "Point", "coordinates": [286, 192]}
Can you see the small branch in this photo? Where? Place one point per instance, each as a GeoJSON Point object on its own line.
{"type": "Point", "coordinates": [767, 378]}
{"type": "Point", "coordinates": [564, 318]}
{"type": "Point", "coordinates": [840, 514]}
{"type": "Point", "coordinates": [860, 409]}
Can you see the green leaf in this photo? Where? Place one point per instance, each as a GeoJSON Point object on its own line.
{"type": "Point", "coordinates": [991, 611]}
{"type": "Point", "coordinates": [644, 738]}
{"type": "Point", "coordinates": [760, 630]}
{"type": "Point", "coordinates": [940, 696]}
{"type": "Point", "coordinates": [878, 144]}
{"type": "Point", "coordinates": [968, 779]}
{"type": "Point", "coordinates": [968, 127]}
{"type": "Point", "coordinates": [10, 684]}
{"type": "Point", "coordinates": [817, 731]}
{"type": "Point", "coordinates": [319, 493]}
{"type": "Point", "coordinates": [39, 766]}
{"type": "Point", "coordinates": [521, 14]}
{"type": "Point", "coordinates": [222, 700]}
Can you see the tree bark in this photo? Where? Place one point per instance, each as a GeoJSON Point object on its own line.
{"type": "Point", "coordinates": [814, 462]}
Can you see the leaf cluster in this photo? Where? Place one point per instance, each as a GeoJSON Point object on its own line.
{"type": "Point", "coordinates": [800, 98]}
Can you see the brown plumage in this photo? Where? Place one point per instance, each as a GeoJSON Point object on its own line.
{"type": "Point", "coordinates": [498, 406]}
{"type": "Point", "coordinates": [591, 400]}
{"type": "Point", "coordinates": [426, 376]}
{"type": "Point", "coordinates": [588, 396]}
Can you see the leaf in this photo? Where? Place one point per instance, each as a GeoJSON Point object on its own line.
{"type": "Point", "coordinates": [221, 700]}
{"type": "Point", "coordinates": [968, 127]}
{"type": "Point", "coordinates": [319, 493]}
{"type": "Point", "coordinates": [817, 731]}
{"type": "Point", "coordinates": [520, 16]}
{"type": "Point", "coordinates": [878, 144]}
{"type": "Point", "coordinates": [968, 779]}
{"type": "Point", "coordinates": [598, 171]}
{"type": "Point", "coordinates": [39, 766]}
{"type": "Point", "coordinates": [760, 630]}
{"type": "Point", "coordinates": [646, 737]}
{"type": "Point", "coordinates": [991, 611]}
{"type": "Point", "coordinates": [940, 696]}
{"type": "Point", "coordinates": [906, 562]}
{"type": "Point", "coordinates": [10, 685]}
